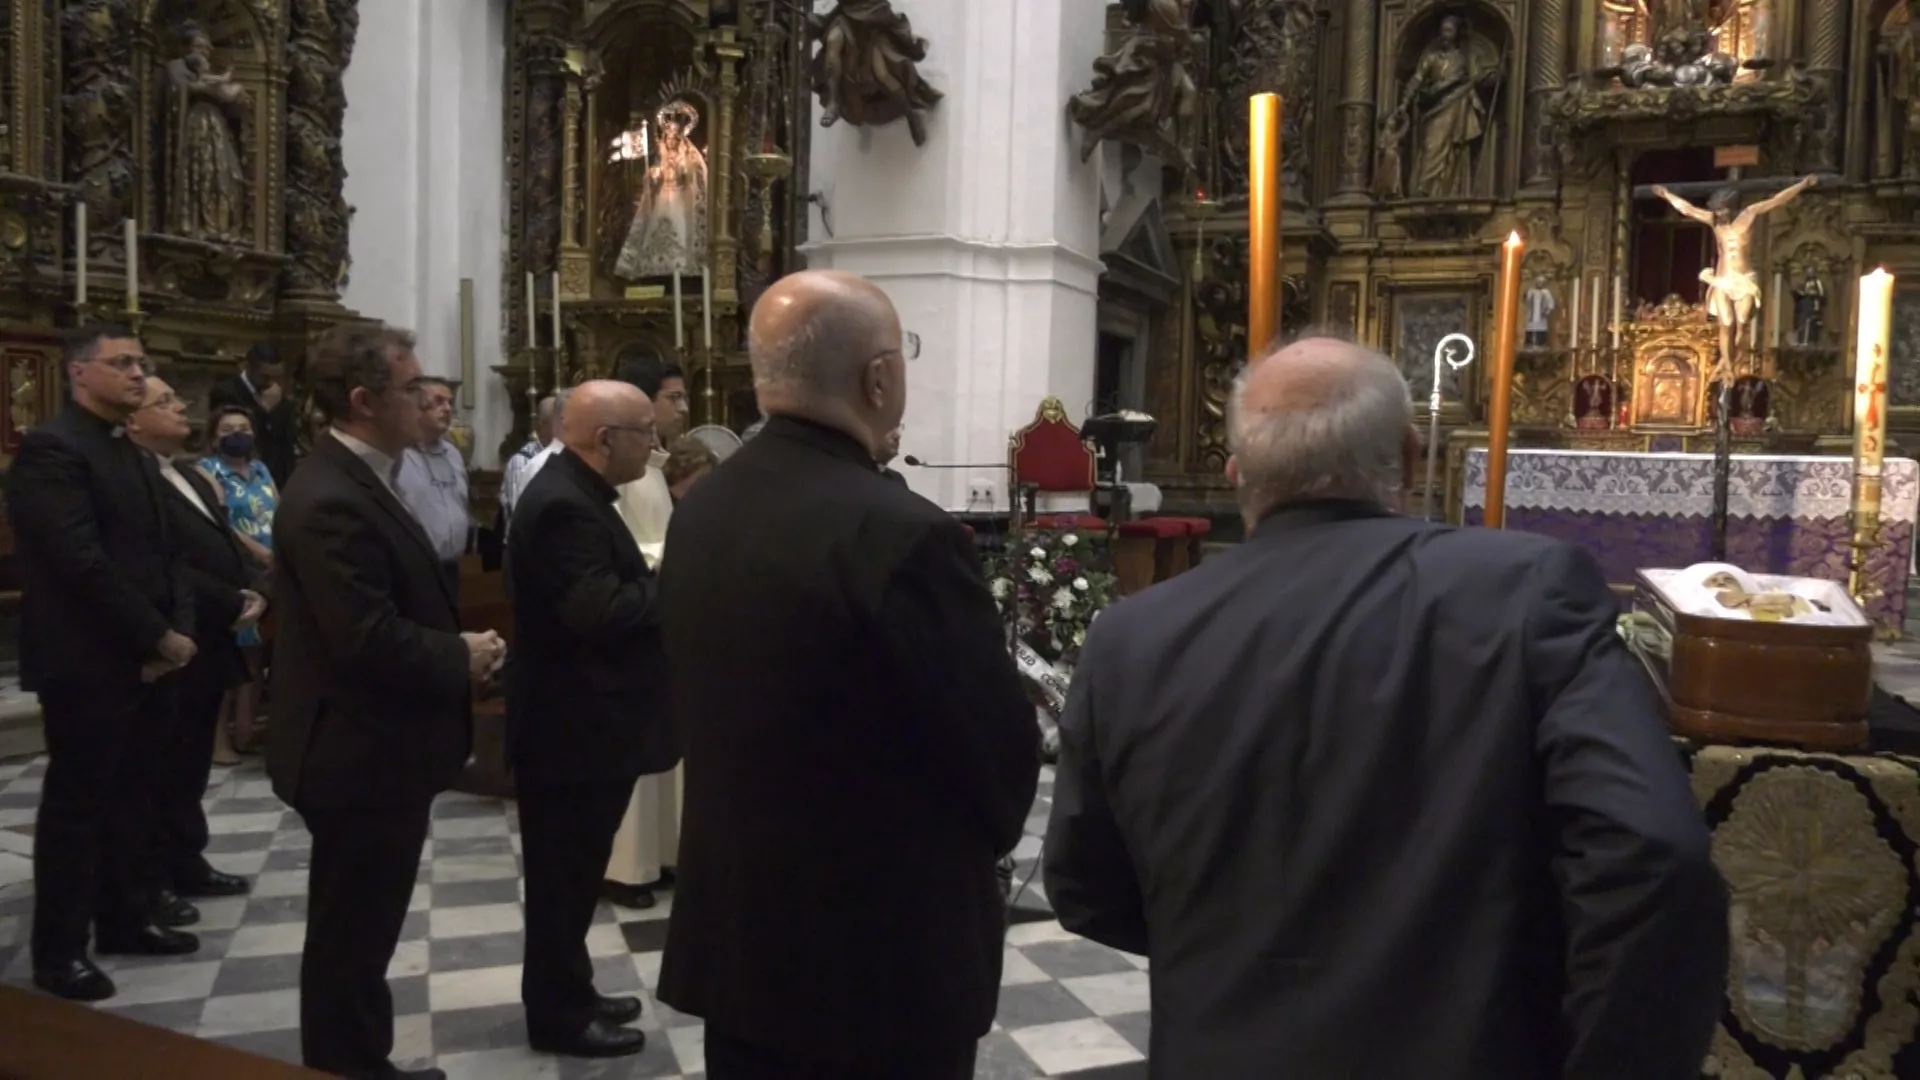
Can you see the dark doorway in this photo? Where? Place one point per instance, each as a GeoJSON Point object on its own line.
{"type": "Point", "coordinates": [1109, 375]}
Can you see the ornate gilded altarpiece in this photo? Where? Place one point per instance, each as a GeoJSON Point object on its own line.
{"type": "Point", "coordinates": [655, 178]}
{"type": "Point", "coordinates": [213, 127]}
{"type": "Point", "coordinates": [1418, 133]}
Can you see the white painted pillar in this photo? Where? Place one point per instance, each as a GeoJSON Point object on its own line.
{"type": "Point", "coordinates": [426, 176]}
{"type": "Point", "coordinates": [987, 237]}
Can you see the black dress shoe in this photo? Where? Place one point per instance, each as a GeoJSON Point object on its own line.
{"type": "Point", "coordinates": [212, 883]}
{"type": "Point", "coordinates": [419, 1074]}
{"type": "Point", "coordinates": [146, 941]}
{"type": "Point", "coordinates": [616, 1010]}
{"type": "Point", "coordinates": [599, 1040]}
{"type": "Point", "coordinates": [638, 897]}
{"type": "Point", "coordinates": [75, 980]}
{"type": "Point", "coordinates": [169, 910]}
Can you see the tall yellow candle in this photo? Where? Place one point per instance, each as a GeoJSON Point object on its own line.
{"type": "Point", "coordinates": [1263, 224]}
{"type": "Point", "coordinates": [1506, 342]}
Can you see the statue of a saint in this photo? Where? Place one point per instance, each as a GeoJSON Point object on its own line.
{"type": "Point", "coordinates": [1445, 106]}
{"type": "Point", "coordinates": [669, 230]}
{"type": "Point", "coordinates": [1389, 170]}
{"type": "Point", "coordinates": [865, 70]}
{"type": "Point", "coordinates": [1143, 93]}
{"type": "Point", "coordinates": [1540, 306]}
{"type": "Point", "coordinates": [209, 186]}
{"type": "Point", "coordinates": [1733, 292]}
{"type": "Point", "coordinates": [1809, 309]}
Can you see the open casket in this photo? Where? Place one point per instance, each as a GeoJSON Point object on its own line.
{"type": "Point", "coordinates": [1731, 678]}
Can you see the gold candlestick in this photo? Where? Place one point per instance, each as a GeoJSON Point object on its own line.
{"type": "Point", "coordinates": [1875, 308]}
{"type": "Point", "coordinates": [1506, 341]}
{"type": "Point", "coordinates": [1263, 224]}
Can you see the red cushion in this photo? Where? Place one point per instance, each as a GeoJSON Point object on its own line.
{"type": "Point", "coordinates": [1194, 526]}
{"type": "Point", "coordinates": [1157, 528]}
{"type": "Point", "coordinates": [1070, 523]}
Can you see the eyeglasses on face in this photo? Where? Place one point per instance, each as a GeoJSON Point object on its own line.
{"type": "Point", "coordinates": [126, 363]}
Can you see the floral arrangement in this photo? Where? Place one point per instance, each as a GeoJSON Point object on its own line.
{"type": "Point", "coordinates": [1047, 586]}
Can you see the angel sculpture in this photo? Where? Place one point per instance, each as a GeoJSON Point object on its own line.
{"type": "Point", "coordinates": [668, 234]}
{"type": "Point", "coordinates": [864, 72]}
{"type": "Point", "coordinates": [1143, 93]}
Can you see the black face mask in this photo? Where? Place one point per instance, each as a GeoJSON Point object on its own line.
{"type": "Point", "coordinates": [236, 444]}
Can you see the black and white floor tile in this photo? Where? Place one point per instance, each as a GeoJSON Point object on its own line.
{"type": "Point", "coordinates": [1068, 1007]}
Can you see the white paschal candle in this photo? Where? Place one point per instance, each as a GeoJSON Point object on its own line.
{"type": "Point", "coordinates": [1875, 305]}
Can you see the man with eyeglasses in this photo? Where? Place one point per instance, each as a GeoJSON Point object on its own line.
{"type": "Point", "coordinates": [649, 839]}
{"type": "Point", "coordinates": [371, 689]}
{"type": "Point", "coordinates": [433, 478]}
{"type": "Point", "coordinates": [586, 716]}
{"type": "Point", "coordinates": [225, 602]}
{"type": "Point", "coordinates": [106, 612]}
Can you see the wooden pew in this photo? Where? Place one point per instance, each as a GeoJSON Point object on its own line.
{"type": "Point", "coordinates": [44, 1038]}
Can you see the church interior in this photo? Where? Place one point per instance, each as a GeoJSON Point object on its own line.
{"type": "Point", "coordinates": [1632, 257]}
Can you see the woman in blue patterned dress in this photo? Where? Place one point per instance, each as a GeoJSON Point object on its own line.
{"type": "Point", "coordinates": [247, 489]}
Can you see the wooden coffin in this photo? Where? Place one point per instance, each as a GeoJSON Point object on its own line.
{"type": "Point", "coordinates": [1736, 681]}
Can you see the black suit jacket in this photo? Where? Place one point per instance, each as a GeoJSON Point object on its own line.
{"type": "Point", "coordinates": [1383, 798]}
{"type": "Point", "coordinates": [371, 704]}
{"type": "Point", "coordinates": [217, 570]}
{"type": "Point", "coordinates": [274, 430]}
{"type": "Point", "coordinates": [839, 672]}
{"type": "Point", "coordinates": [101, 580]}
{"type": "Point", "coordinates": [587, 693]}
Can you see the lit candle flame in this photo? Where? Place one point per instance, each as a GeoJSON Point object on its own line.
{"type": "Point", "coordinates": [1513, 239]}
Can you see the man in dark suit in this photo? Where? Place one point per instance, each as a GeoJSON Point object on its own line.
{"type": "Point", "coordinates": [1381, 797]}
{"type": "Point", "coordinates": [588, 705]}
{"type": "Point", "coordinates": [260, 387]}
{"type": "Point", "coordinates": [105, 614]}
{"type": "Point", "coordinates": [224, 602]}
{"type": "Point", "coordinates": [372, 716]}
{"type": "Point", "coordinates": [896, 716]}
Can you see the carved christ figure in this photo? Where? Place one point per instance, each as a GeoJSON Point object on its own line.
{"type": "Point", "coordinates": [1733, 290]}
{"type": "Point", "coordinates": [211, 186]}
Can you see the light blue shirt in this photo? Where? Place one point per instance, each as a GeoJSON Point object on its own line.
{"type": "Point", "coordinates": [433, 484]}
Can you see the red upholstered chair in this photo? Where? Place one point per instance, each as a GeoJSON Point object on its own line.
{"type": "Point", "coordinates": [1049, 458]}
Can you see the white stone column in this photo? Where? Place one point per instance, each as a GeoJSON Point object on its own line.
{"type": "Point", "coordinates": [426, 176]}
{"type": "Point", "coordinates": [987, 237]}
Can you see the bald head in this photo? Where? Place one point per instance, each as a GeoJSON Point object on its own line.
{"type": "Point", "coordinates": [543, 419]}
{"type": "Point", "coordinates": [1320, 419]}
{"type": "Point", "coordinates": [826, 345]}
{"type": "Point", "coordinates": [609, 425]}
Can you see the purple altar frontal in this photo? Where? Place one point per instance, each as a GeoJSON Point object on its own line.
{"type": "Point", "coordinates": [1785, 515]}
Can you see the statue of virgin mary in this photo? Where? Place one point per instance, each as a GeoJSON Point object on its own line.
{"type": "Point", "coordinates": [669, 230]}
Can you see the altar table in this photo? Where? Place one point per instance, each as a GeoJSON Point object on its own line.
{"type": "Point", "coordinates": [1785, 515]}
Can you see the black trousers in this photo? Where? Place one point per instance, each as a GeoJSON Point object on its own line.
{"type": "Point", "coordinates": [359, 883]}
{"type": "Point", "coordinates": [566, 836]}
{"type": "Point", "coordinates": [183, 764]}
{"type": "Point", "coordinates": [733, 1059]}
{"type": "Point", "coordinates": [93, 837]}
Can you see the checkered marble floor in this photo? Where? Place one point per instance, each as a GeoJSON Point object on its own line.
{"type": "Point", "coordinates": [1068, 1007]}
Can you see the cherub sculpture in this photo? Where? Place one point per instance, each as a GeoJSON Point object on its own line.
{"type": "Point", "coordinates": [1143, 93]}
{"type": "Point", "coordinates": [865, 70]}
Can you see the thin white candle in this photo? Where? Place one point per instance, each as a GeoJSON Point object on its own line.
{"type": "Point", "coordinates": [1779, 302]}
{"type": "Point", "coordinates": [80, 254]}
{"type": "Point", "coordinates": [1593, 328]}
{"type": "Point", "coordinates": [530, 315]}
{"type": "Point", "coordinates": [706, 310]}
{"type": "Point", "coordinates": [679, 327]}
{"type": "Point", "coordinates": [556, 312]}
{"type": "Point", "coordinates": [1619, 306]}
{"type": "Point", "coordinates": [133, 266]}
{"type": "Point", "coordinates": [1573, 321]}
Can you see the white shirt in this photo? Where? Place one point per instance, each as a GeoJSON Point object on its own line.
{"type": "Point", "coordinates": [432, 481]}
{"type": "Point", "coordinates": [383, 466]}
{"type": "Point", "coordinates": [180, 484]}
{"type": "Point", "coordinates": [520, 469]}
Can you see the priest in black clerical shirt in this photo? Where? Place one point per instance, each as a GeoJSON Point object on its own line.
{"type": "Point", "coordinates": [586, 703]}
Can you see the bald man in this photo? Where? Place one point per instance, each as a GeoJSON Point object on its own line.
{"type": "Point", "coordinates": [516, 472]}
{"type": "Point", "coordinates": [1381, 797]}
{"type": "Point", "coordinates": [859, 750]}
{"type": "Point", "coordinates": [585, 702]}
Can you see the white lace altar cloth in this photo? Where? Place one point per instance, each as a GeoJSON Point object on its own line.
{"type": "Point", "coordinates": [1681, 485]}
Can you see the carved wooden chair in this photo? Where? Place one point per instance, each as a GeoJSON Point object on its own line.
{"type": "Point", "coordinates": [1049, 457]}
